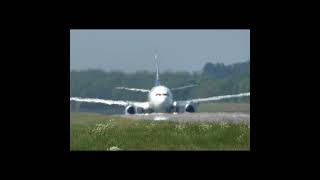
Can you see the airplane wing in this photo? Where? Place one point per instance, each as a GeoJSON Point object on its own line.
{"type": "Point", "coordinates": [215, 98]}
{"type": "Point", "coordinates": [134, 89]}
{"type": "Point", "coordinates": [104, 101]}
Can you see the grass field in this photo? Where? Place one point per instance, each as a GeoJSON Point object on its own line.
{"type": "Point", "coordinates": [89, 131]}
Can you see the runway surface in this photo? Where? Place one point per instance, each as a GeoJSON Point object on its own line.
{"type": "Point", "coordinates": [195, 117]}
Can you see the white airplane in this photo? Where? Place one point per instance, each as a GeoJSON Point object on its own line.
{"type": "Point", "coordinates": [160, 100]}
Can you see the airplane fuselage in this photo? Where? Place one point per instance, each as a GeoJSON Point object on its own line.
{"type": "Point", "coordinates": [160, 99]}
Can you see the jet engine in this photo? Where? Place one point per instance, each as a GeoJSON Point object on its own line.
{"type": "Point", "coordinates": [182, 107]}
{"type": "Point", "coordinates": [130, 109]}
{"type": "Point", "coordinates": [190, 107]}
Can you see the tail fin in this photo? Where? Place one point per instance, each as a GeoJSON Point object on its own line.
{"type": "Point", "coordinates": [157, 82]}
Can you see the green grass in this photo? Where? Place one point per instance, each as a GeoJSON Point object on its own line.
{"type": "Point", "coordinates": [90, 131]}
{"type": "Point", "coordinates": [224, 107]}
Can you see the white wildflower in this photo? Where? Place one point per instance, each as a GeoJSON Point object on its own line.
{"type": "Point", "coordinates": [179, 127]}
{"type": "Point", "coordinates": [204, 127]}
{"type": "Point", "coordinates": [240, 138]}
{"type": "Point", "coordinates": [114, 148]}
{"type": "Point", "coordinates": [224, 125]}
{"type": "Point", "coordinates": [100, 128]}
{"type": "Point", "coordinates": [244, 128]}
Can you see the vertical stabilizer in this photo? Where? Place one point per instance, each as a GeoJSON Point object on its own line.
{"type": "Point", "coordinates": [157, 82]}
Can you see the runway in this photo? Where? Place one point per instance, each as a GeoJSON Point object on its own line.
{"type": "Point", "coordinates": [195, 117]}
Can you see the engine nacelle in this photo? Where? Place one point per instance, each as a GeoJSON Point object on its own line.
{"type": "Point", "coordinates": [190, 107]}
{"type": "Point", "coordinates": [180, 108]}
{"type": "Point", "coordinates": [130, 109]}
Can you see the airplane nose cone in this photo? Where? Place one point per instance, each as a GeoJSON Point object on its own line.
{"type": "Point", "coordinates": [160, 100]}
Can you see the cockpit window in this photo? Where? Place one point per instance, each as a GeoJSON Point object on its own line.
{"type": "Point", "coordinates": [158, 94]}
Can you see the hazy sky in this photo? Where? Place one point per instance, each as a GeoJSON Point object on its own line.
{"type": "Point", "coordinates": [178, 50]}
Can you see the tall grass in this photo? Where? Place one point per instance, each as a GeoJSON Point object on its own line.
{"type": "Point", "coordinates": [100, 132]}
